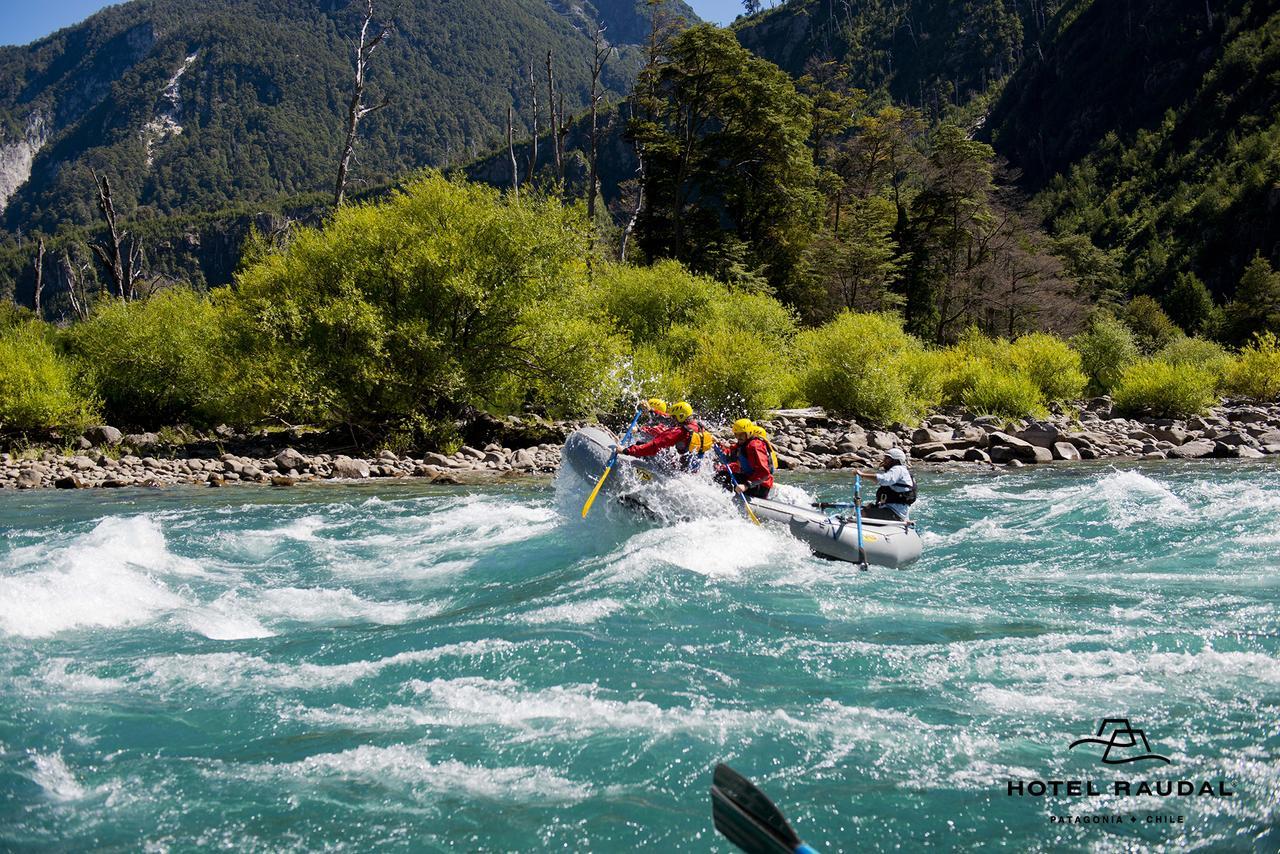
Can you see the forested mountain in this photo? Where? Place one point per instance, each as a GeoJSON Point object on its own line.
{"type": "Point", "coordinates": [191, 106]}
{"type": "Point", "coordinates": [927, 53]}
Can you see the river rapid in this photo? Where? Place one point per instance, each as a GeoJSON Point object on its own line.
{"type": "Point", "coordinates": [396, 665]}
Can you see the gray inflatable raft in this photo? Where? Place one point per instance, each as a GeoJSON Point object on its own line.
{"type": "Point", "coordinates": [892, 544]}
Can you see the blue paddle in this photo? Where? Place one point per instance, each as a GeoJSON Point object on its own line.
{"type": "Point", "coordinates": [857, 510]}
{"type": "Point", "coordinates": [613, 458]}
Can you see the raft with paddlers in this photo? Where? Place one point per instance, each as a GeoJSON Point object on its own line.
{"type": "Point", "coordinates": [589, 452]}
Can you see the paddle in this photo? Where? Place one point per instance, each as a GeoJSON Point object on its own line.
{"type": "Point", "coordinates": [613, 458]}
{"type": "Point", "coordinates": [857, 511]}
{"type": "Point", "coordinates": [733, 481]}
{"type": "Point", "coordinates": [747, 817]}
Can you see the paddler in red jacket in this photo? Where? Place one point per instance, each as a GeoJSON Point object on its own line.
{"type": "Point", "coordinates": [676, 436]}
{"type": "Point", "coordinates": [750, 460]}
{"type": "Point", "coordinates": [657, 419]}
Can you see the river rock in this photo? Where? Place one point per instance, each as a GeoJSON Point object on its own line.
{"type": "Point", "coordinates": [977, 455]}
{"type": "Point", "coordinates": [103, 435]}
{"type": "Point", "coordinates": [1172, 433]}
{"type": "Point", "coordinates": [1041, 435]}
{"type": "Point", "coordinates": [139, 441]}
{"type": "Point", "coordinates": [438, 460]}
{"type": "Point", "coordinates": [344, 466]}
{"type": "Point", "coordinates": [69, 482]}
{"type": "Point", "coordinates": [1245, 452]}
{"type": "Point", "coordinates": [882, 440]}
{"type": "Point", "coordinates": [954, 456]}
{"type": "Point", "coordinates": [1004, 448]}
{"type": "Point", "coordinates": [1065, 451]}
{"type": "Point", "coordinates": [290, 459]}
{"type": "Point", "coordinates": [283, 480]}
{"type": "Point", "coordinates": [30, 478]}
{"type": "Point", "coordinates": [924, 436]}
{"type": "Point", "coordinates": [82, 463]}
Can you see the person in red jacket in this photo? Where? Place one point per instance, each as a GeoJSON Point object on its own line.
{"type": "Point", "coordinates": [676, 436]}
{"type": "Point", "coordinates": [749, 460]}
{"type": "Point", "coordinates": [657, 419]}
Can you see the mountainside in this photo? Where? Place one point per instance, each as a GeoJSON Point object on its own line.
{"type": "Point", "coordinates": [194, 106]}
{"type": "Point", "coordinates": [1162, 122]}
{"type": "Point", "coordinates": [927, 53]}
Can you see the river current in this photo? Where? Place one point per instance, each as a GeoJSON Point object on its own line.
{"type": "Point", "coordinates": [393, 665]}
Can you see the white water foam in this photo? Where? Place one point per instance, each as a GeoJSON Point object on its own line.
{"type": "Point", "coordinates": [578, 613]}
{"type": "Point", "coordinates": [50, 772]}
{"type": "Point", "coordinates": [410, 766]}
{"type": "Point", "coordinates": [104, 579]}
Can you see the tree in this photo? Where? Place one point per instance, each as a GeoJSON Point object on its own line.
{"type": "Point", "coordinates": [727, 162]}
{"type": "Point", "coordinates": [121, 254]}
{"type": "Point", "coordinates": [600, 51]}
{"type": "Point", "coordinates": [356, 109]}
{"type": "Point", "coordinates": [852, 266]}
{"type": "Point", "coordinates": [1189, 303]}
{"type": "Point", "coordinates": [1152, 328]}
{"type": "Point", "coordinates": [1256, 305]}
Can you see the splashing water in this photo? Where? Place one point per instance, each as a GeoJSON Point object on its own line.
{"type": "Point", "coordinates": [409, 667]}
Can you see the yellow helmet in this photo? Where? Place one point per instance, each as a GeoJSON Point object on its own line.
{"type": "Point", "coordinates": [681, 411]}
{"type": "Point", "coordinates": [743, 425]}
{"type": "Point", "coordinates": [657, 404]}
{"type": "Point", "coordinates": [758, 432]}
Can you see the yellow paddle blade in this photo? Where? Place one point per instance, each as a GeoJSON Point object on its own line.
{"type": "Point", "coordinates": [592, 497]}
{"type": "Point", "coordinates": [751, 514]}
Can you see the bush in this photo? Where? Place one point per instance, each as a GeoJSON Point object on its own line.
{"type": "Point", "coordinates": [1153, 386]}
{"type": "Point", "coordinates": [38, 387]}
{"type": "Point", "coordinates": [448, 294]}
{"type": "Point", "coordinates": [863, 365]}
{"type": "Point", "coordinates": [1106, 348]}
{"type": "Point", "coordinates": [159, 360]}
{"type": "Point", "coordinates": [1152, 328]}
{"type": "Point", "coordinates": [1004, 393]}
{"type": "Point", "coordinates": [647, 301]}
{"type": "Point", "coordinates": [1208, 355]}
{"type": "Point", "coordinates": [1051, 364]}
{"type": "Point", "coordinates": [1256, 373]}
{"type": "Point", "coordinates": [734, 359]}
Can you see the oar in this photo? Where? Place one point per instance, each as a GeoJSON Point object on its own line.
{"type": "Point", "coordinates": [857, 512]}
{"type": "Point", "coordinates": [613, 458]}
{"type": "Point", "coordinates": [733, 481]}
{"type": "Point", "coordinates": [747, 817]}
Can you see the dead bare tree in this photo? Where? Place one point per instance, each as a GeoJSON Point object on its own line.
{"type": "Point", "coordinates": [121, 255]}
{"type": "Point", "coordinates": [600, 50]}
{"type": "Point", "coordinates": [533, 140]}
{"type": "Point", "coordinates": [75, 286]}
{"type": "Point", "coordinates": [511, 152]}
{"type": "Point", "coordinates": [39, 276]}
{"type": "Point", "coordinates": [356, 109]}
{"type": "Point", "coordinates": [556, 120]}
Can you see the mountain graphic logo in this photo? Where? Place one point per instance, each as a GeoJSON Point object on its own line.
{"type": "Point", "coordinates": [1122, 738]}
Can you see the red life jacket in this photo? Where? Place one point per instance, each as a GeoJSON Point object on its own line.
{"type": "Point", "coordinates": [754, 464]}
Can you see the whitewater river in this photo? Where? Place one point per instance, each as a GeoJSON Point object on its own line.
{"type": "Point", "coordinates": [400, 666]}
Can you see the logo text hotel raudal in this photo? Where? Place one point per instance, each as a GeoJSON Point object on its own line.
{"type": "Point", "coordinates": [1116, 743]}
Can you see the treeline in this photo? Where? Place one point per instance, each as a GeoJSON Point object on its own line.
{"type": "Point", "coordinates": [401, 317]}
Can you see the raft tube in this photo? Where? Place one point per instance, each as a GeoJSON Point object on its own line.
{"type": "Point", "coordinates": [886, 543]}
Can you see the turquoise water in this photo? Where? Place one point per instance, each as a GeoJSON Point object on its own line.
{"type": "Point", "coordinates": [400, 666]}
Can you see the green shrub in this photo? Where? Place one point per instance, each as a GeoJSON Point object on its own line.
{"type": "Point", "coordinates": [446, 294]}
{"type": "Point", "coordinates": [157, 360]}
{"type": "Point", "coordinates": [733, 360]}
{"type": "Point", "coordinates": [1256, 372]}
{"type": "Point", "coordinates": [1211, 356]}
{"type": "Point", "coordinates": [1152, 328]}
{"type": "Point", "coordinates": [1005, 393]}
{"type": "Point", "coordinates": [38, 387]}
{"type": "Point", "coordinates": [1106, 348]}
{"type": "Point", "coordinates": [863, 365]}
{"type": "Point", "coordinates": [1155, 387]}
{"type": "Point", "coordinates": [646, 302]}
{"type": "Point", "coordinates": [1051, 364]}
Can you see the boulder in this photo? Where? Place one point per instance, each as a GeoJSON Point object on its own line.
{"type": "Point", "coordinates": [1041, 435]}
{"type": "Point", "coordinates": [1172, 433]}
{"type": "Point", "coordinates": [924, 436]}
{"type": "Point", "coordinates": [82, 463]}
{"type": "Point", "coordinates": [438, 460]}
{"type": "Point", "coordinates": [1005, 448]}
{"type": "Point", "coordinates": [139, 441]}
{"type": "Point", "coordinates": [977, 455]}
{"type": "Point", "coordinates": [103, 435]}
{"type": "Point", "coordinates": [290, 459]}
{"type": "Point", "coordinates": [882, 440]}
{"type": "Point", "coordinates": [1236, 438]}
{"type": "Point", "coordinates": [215, 479]}
{"type": "Point", "coordinates": [346, 467]}
{"type": "Point", "coordinates": [524, 458]}
{"type": "Point", "coordinates": [1244, 452]}
{"type": "Point", "coordinates": [30, 478]}
{"type": "Point", "coordinates": [69, 482]}
{"type": "Point", "coordinates": [945, 456]}
{"type": "Point", "coordinates": [1065, 451]}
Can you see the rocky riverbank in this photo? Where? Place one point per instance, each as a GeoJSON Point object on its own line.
{"type": "Point", "coordinates": [805, 439]}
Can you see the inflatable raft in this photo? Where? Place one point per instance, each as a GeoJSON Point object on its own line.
{"type": "Point", "coordinates": [892, 544]}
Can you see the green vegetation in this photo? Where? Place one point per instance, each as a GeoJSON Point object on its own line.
{"type": "Point", "coordinates": [1256, 373]}
{"type": "Point", "coordinates": [1155, 387]}
{"type": "Point", "coordinates": [1106, 348]}
{"type": "Point", "coordinates": [39, 389]}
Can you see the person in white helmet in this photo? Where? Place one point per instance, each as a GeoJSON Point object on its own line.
{"type": "Point", "coordinates": [896, 491]}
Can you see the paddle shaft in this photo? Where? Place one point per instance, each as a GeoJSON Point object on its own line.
{"type": "Point", "coordinates": [613, 458]}
{"type": "Point", "coordinates": [857, 510]}
{"type": "Point", "coordinates": [734, 482]}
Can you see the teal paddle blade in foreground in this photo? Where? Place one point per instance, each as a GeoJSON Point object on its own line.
{"type": "Point", "coordinates": [748, 819]}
